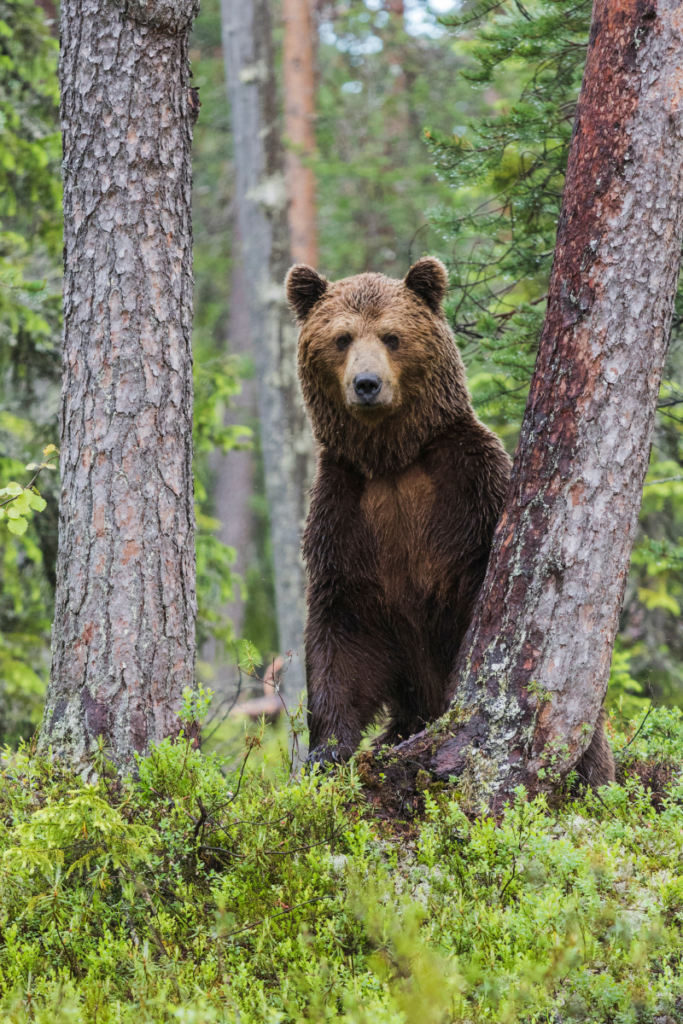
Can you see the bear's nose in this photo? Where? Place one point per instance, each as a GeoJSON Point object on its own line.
{"type": "Point", "coordinates": [367, 386]}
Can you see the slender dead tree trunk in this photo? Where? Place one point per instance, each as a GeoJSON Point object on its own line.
{"type": "Point", "coordinates": [123, 635]}
{"type": "Point", "coordinates": [299, 81]}
{"type": "Point", "coordinates": [235, 471]}
{"type": "Point", "coordinates": [534, 667]}
{"type": "Point", "coordinates": [261, 200]}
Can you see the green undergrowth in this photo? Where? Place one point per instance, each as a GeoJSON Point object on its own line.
{"type": "Point", "coordinates": [211, 891]}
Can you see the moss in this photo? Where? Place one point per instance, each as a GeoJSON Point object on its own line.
{"type": "Point", "coordinates": [186, 895]}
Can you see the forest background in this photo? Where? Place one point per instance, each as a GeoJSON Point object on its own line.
{"type": "Point", "coordinates": [427, 141]}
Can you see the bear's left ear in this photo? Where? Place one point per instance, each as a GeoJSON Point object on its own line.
{"type": "Point", "coordinates": [428, 278]}
{"type": "Point", "coordinates": [304, 286]}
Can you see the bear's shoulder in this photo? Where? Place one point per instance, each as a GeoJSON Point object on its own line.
{"type": "Point", "coordinates": [464, 449]}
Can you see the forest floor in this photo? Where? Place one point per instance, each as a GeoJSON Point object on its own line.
{"type": "Point", "coordinates": [216, 890]}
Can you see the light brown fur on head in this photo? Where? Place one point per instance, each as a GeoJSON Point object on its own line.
{"type": "Point", "coordinates": [391, 337]}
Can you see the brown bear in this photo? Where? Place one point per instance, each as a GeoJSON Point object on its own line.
{"type": "Point", "coordinates": [408, 491]}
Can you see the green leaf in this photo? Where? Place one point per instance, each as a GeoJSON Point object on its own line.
{"type": "Point", "coordinates": [18, 526]}
{"type": "Point", "coordinates": [249, 656]}
{"type": "Point", "coordinates": [37, 503]}
{"type": "Point", "coordinates": [34, 286]}
{"type": "Point", "coordinates": [22, 503]}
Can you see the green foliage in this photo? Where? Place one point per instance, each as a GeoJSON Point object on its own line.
{"type": "Point", "coordinates": [30, 190]}
{"type": "Point", "coordinates": [21, 500]}
{"type": "Point", "coordinates": [249, 657]}
{"type": "Point", "coordinates": [508, 173]}
{"type": "Point", "coordinates": [194, 706]}
{"type": "Point", "coordinates": [30, 242]}
{"type": "Point", "coordinates": [210, 891]}
{"type": "Point", "coordinates": [654, 735]}
{"type": "Point", "coordinates": [22, 688]}
{"type": "Point", "coordinates": [626, 695]}
{"type": "Point", "coordinates": [82, 826]}
{"type": "Point", "coordinates": [216, 381]}
{"type": "Point", "coordinates": [25, 598]}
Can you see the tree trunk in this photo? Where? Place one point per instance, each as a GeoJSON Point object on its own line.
{"type": "Point", "coordinates": [534, 667]}
{"type": "Point", "coordinates": [299, 76]}
{"type": "Point", "coordinates": [124, 630]}
{"type": "Point", "coordinates": [235, 471]}
{"type": "Point", "coordinates": [261, 201]}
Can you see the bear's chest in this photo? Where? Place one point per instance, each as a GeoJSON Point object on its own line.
{"type": "Point", "coordinates": [401, 515]}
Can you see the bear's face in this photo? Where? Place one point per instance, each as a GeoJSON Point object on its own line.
{"type": "Point", "coordinates": [368, 342]}
{"type": "Point", "coordinates": [359, 361]}
{"type": "Point", "coordinates": [380, 372]}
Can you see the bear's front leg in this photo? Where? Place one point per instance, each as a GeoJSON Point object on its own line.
{"type": "Point", "coordinates": [348, 672]}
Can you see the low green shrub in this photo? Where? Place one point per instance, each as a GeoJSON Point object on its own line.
{"type": "Point", "coordinates": [203, 891]}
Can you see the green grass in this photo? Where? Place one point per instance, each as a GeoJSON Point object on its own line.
{"type": "Point", "coordinates": [187, 896]}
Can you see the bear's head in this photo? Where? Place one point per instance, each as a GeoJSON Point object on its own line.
{"type": "Point", "coordinates": [379, 368]}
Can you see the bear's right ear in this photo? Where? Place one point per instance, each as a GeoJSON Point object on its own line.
{"type": "Point", "coordinates": [304, 287]}
{"type": "Point", "coordinates": [428, 279]}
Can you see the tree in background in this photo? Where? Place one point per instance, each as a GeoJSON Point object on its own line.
{"type": "Point", "coordinates": [299, 102]}
{"type": "Point", "coordinates": [533, 670]}
{"type": "Point", "coordinates": [223, 398]}
{"type": "Point", "coordinates": [124, 630]}
{"type": "Point", "coordinates": [261, 204]}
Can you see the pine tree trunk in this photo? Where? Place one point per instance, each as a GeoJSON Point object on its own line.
{"type": "Point", "coordinates": [535, 665]}
{"type": "Point", "coordinates": [299, 81]}
{"type": "Point", "coordinates": [261, 201]}
{"type": "Point", "coordinates": [124, 630]}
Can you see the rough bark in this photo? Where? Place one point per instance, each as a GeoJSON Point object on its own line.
{"type": "Point", "coordinates": [261, 201]}
{"type": "Point", "coordinates": [299, 83]}
{"type": "Point", "coordinates": [534, 667]}
{"type": "Point", "coordinates": [124, 636]}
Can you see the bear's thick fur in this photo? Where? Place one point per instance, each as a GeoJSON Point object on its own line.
{"type": "Point", "coordinates": [408, 491]}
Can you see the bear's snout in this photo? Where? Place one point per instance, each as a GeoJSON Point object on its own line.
{"type": "Point", "coordinates": [368, 379]}
{"type": "Point", "coordinates": [367, 386]}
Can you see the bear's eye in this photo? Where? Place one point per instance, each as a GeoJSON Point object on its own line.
{"type": "Point", "coordinates": [343, 341]}
{"type": "Point", "coordinates": [391, 341]}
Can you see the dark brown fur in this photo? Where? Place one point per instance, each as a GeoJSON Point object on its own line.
{"type": "Point", "coordinates": [596, 767]}
{"type": "Point", "coordinates": [404, 505]}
